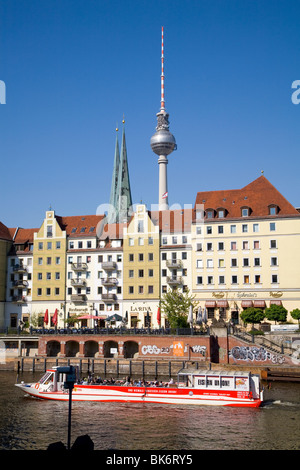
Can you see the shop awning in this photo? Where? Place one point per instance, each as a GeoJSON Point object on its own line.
{"type": "Point", "coordinates": [222, 303]}
{"type": "Point", "coordinates": [247, 303]}
{"type": "Point", "coordinates": [259, 303]}
{"type": "Point", "coordinates": [210, 304]}
{"type": "Point", "coordinates": [275, 302]}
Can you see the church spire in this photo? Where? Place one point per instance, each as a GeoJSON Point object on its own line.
{"type": "Point", "coordinates": [114, 183]}
{"type": "Point", "coordinates": [123, 195]}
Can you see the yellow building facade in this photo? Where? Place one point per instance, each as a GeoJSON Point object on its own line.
{"type": "Point", "coordinates": [141, 269]}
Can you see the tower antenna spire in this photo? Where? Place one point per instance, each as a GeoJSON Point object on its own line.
{"type": "Point", "coordinates": [162, 97]}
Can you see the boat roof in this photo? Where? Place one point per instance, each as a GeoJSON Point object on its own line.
{"type": "Point", "coordinates": [230, 373]}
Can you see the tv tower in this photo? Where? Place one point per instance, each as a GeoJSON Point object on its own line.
{"type": "Point", "coordinates": [163, 142]}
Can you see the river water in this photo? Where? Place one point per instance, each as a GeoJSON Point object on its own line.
{"type": "Point", "coordinates": [32, 424]}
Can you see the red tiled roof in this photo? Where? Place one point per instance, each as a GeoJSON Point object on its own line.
{"type": "Point", "coordinates": [80, 222]}
{"type": "Point", "coordinates": [5, 233]}
{"type": "Point", "coordinates": [25, 235]}
{"type": "Point", "coordinates": [179, 220]}
{"type": "Point", "coordinates": [258, 196]}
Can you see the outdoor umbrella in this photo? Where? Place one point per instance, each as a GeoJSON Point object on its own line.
{"type": "Point", "coordinates": [205, 316]}
{"type": "Point", "coordinates": [199, 316]}
{"type": "Point", "coordinates": [54, 319]}
{"type": "Point", "coordinates": [114, 317]}
{"type": "Point", "coordinates": [46, 317]}
{"type": "Point", "coordinates": [158, 315]}
{"type": "Point", "coordinates": [190, 317]}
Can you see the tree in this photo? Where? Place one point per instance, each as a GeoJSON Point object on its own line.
{"type": "Point", "coordinates": [175, 305]}
{"type": "Point", "coordinates": [252, 315]}
{"type": "Point", "coordinates": [276, 313]}
{"type": "Point", "coordinates": [295, 314]}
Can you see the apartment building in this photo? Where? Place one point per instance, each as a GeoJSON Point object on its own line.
{"type": "Point", "coordinates": [245, 246]}
{"type": "Point", "coordinates": [6, 237]}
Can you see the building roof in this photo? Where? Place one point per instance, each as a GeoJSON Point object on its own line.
{"type": "Point", "coordinates": [258, 196]}
{"type": "Point", "coordinates": [5, 232]}
{"type": "Point", "coordinates": [80, 225]}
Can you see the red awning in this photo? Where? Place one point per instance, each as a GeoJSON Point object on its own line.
{"type": "Point", "coordinates": [259, 303]}
{"type": "Point", "coordinates": [275, 302]}
{"type": "Point", "coordinates": [247, 303]}
{"type": "Point", "coordinates": [210, 303]}
{"type": "Point", "coordinates": [222, 303]}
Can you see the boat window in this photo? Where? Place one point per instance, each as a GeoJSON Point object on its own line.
{"type": "Point", "coordinates": [45, 377]}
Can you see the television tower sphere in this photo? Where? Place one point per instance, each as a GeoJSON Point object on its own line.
{"type": "Point", "coordinates": [163, 142]}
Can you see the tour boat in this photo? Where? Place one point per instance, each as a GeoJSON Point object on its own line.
{"type": "Point", "coordinates": [194, 387]}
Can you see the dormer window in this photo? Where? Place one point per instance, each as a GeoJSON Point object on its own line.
{"type": "Point", "coordinates": [273, 209]}
{"type": "Point", "coordinates": [210, 213]}
{"type": "Point", "coordinates": [245, 211]}
{"type": "Point", "coordinates": [221, 213]}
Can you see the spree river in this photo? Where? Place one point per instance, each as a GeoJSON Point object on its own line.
{"type": "Point", "coordinates": [31, 424]}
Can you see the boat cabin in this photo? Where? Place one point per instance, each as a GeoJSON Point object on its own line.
{"type": "Point", "coordinates": [54, 380]}
{"type": "Point", "coordinates": [220, 380]}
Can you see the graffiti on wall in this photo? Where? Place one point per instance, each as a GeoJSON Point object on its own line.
{"type": "Point", "coordinates": [178, 348]}
{"type": "Point", "coordinates": [248, 353]}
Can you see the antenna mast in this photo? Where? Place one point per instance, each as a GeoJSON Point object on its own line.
{"type": "Point", "coordinates": [162, 98]}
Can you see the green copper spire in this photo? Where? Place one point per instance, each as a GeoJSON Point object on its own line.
{"type": "Point", "coordinates": [114, 182]}
{"type": "Point", "coordinates": [124, 199]}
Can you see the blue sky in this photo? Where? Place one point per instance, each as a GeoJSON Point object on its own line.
{"type": "Point", "coordinates": [72, 68]}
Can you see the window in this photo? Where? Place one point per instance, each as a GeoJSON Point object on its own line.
{"type": "Point", "coordinates": [150, 289]}
{"type": "Point", "coordinates": [48, 291]}
{"type": "Point", "coordinates": [174, 240]}
{"type": "Point", "coordinates": [131, 289]}
{"type": "Point", "coordinates": [164, 256]}
{"type": "Point", "coordinates": [210, 263]}
{"type": "Point", "coordinates": [92, 229]}
{"type": "Point", "coordinates": [234, 280]}
{"type": "Point", "coordinates": [199, 263]}
{"type": "Point", "coordinates": [256, 261]}
{"type": "Point", "coordinates": [141, 256]}
{"type": "Point", "coordinates": [164, 240]}
{"type": "Point", "coordinates": [56, 290]}
{"type": "Point", "coordinates": [256, 245]}
{"type": "Point", "coordinates": [245, 212]}
{"type": "Point", "coordinates": [210, 279]}
{"type": "Point", "coordinates": [220, 229]}
{"type": "Point", "coordinates": [131, 257]}
{"type": "Point", "coordinates": [221, 263]}
{"type": "Point", "coordinates": [199, 230]}
{"type": "Point", "coordinates": [140, 227]}
{"type": "Point", "coordinates": [199, 247]}
{"type": "Point", "coordinates": [255, 227]}
{"type": "Point", "coordinates": [274, 261]}
{"type": "Point", "coordinates": [48, 260]}
{"type": "Point", "coordinates": [58, 245]}
{"type": "Point", "coordinates": [100, 258]}
{"type": "Point", "coordinates": [164, 272]}
{"type": "Point", "coordinates": [245, 245]}
{"type": "Point", "coordinates": [184, 255]}
{"type": "Point", "coordinates": [141, 241]}
{"type": "Point", "coordinates": [246, 279]}
{"type": "Point", "coordinates": [141, 273]}
{"type": "Point", "coordinates": [274, 279]}
{"type": "Point", "coordinates": [234, 262]}
{"type": "Point", "coordinates": [210, 214]}
{"type": "Point", "coordinates": [273, 210]}
{"type": "Point", "coordinates": [79, 244]}
{"type": "Point", "coordinates": [150, 256]}
{"type": "Point", "coordinates": [131, 242]}
{"type": "Point", "coordinates": [221, 279]}
{"type": "Point", "coordinates": [39, 291]}
{"type": "Point", "coordinates": [40, 245]}
{"type": "Point", "coordinates": [48, 276]}
{"type": "Point", "coordinates": [232, 228]}
{"type": "Point", "coordinates": [57, 276]}
{"type": "Point", "coordinates": [83, 229]}
{"type": "Point", "coordinates": [209, 230]}
{"type": "Point", "coordinates": [257, 279]}
{"type": "Point", "coordinates": [272, 226]}
{"type": "Point", "coordinates": [89, 244]}
{"type": "Point", "coordinates": [209, 246]}
{"type": "Point", "coordinates": [221, 214]}
{"type": "Point", "coordinates": [57, 260]}
{"type": "Point", "coordinates": [221, 246]}
{"type": "Point", "coordinates": [273, 244]}
{"type": "Point", "coordinates": [150, 272]}
{"type": "Point", "coordinates": [246, 262]}
{"type": "Point", "coordinates": [141, 289]}
{"type": "Point", "coordinates": [49, 230]}
{"type": "Point", "coordinates": [199, 280]}
{"type": "Point", "coordinates": [130, 273]}
{"type": "Point", "coordinates": [49, 245]}
{"type": "Point", "coordinates": [150, 240]}
{"type": "Point", "coordinates": [184, 239]}
{"type": "Point", "coordinates": [244, 228]}
{"type": "Point", "coordinates": [40, 276]}
{"type": "Point", "coordinates": [233, 246]}
{"type": "Point", "coordinates": [40, 261]}
{"type": "Point", "coordinates": [164, 289]}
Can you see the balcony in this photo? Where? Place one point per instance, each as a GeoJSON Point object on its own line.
{"type": "Point", "coordinates": [19, 299]}
{"type": "Point", "coordinates": [21, 283]}
{"type": "Point", "coordinates": [78, 298]}
{"type": "Point", "coordinates": [174, 280]}
{"type": "Point", "coordinates": [19, 268]}
{"type": "Point", "coordinates": [79, 266]}
{"type": "Point", "coordinates": [109, 297]}
{"type": "Point", "coordinates": [78, 282]}
{"type": "Point", "coordinates": [109, 281]}
{"type": "Point", "coordinates": [174, 263]}
{"type": "Point", "coordinates": [109, 265]}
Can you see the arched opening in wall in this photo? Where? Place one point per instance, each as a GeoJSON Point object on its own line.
{"type": "Point", "coordinates": [53, 348]}
{"type": "Point", "coordinates": [130, 349]}
{"type": "Point", "coordinates": [72, 348]}
{"type": "Point", "coordinates": [90, 348]}
{"type": "Point", "coordinates": [110, 348]}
